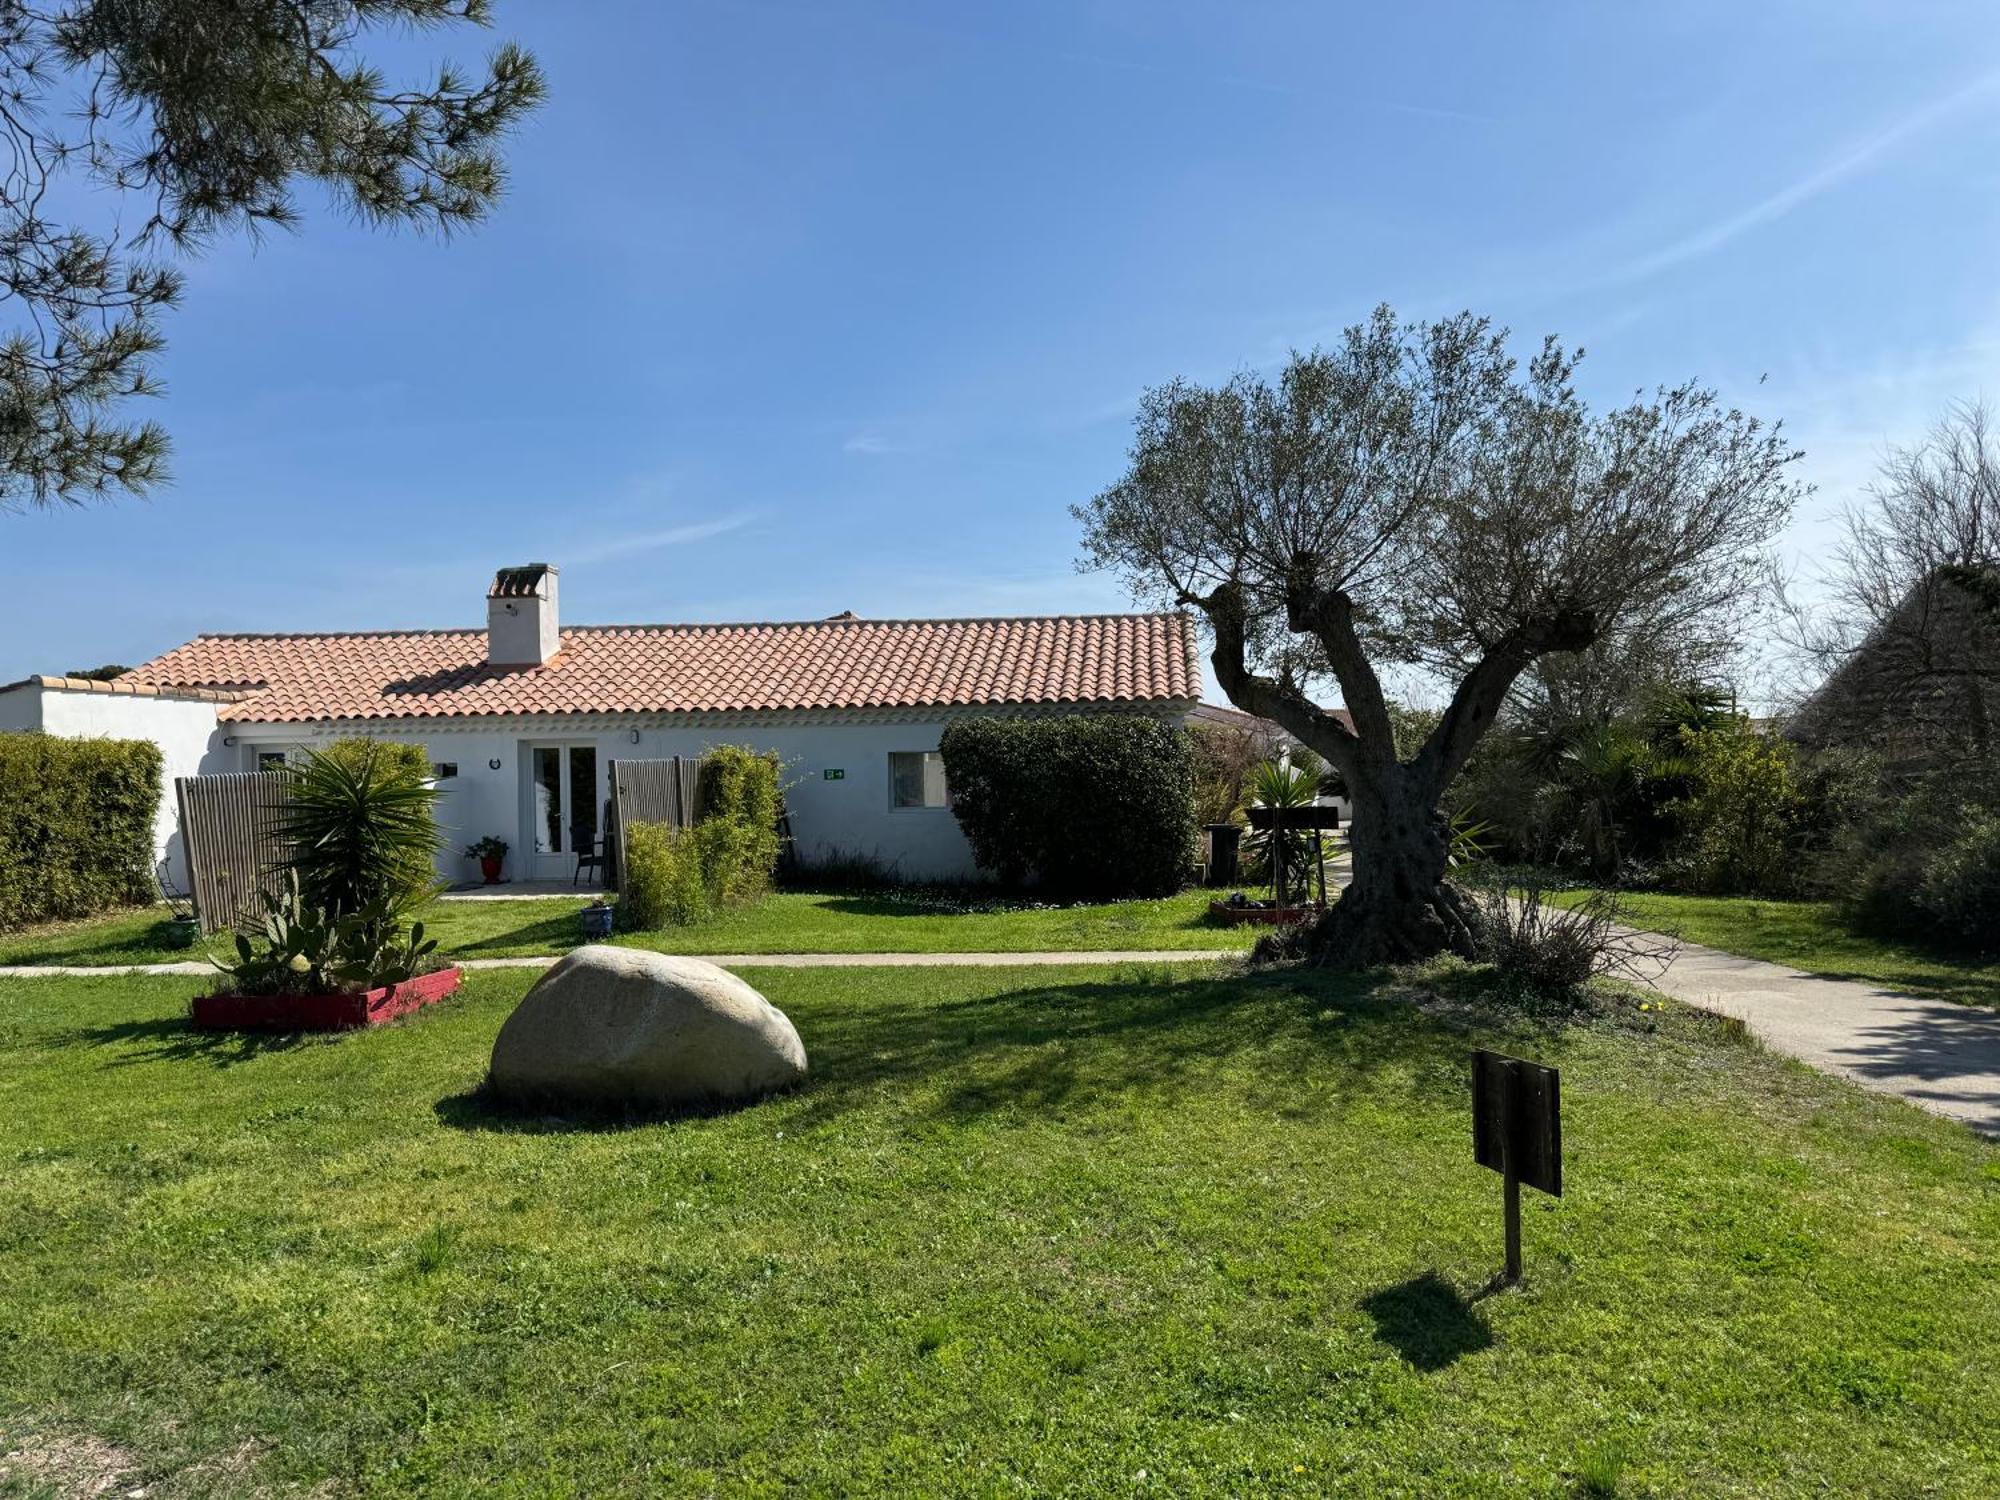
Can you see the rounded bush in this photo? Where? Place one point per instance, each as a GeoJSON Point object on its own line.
{"type": "Point", "coordinates": [1083, 807]}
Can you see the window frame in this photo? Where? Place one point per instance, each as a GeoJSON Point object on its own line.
{"type": "Point", "coordinates": [918, 807]}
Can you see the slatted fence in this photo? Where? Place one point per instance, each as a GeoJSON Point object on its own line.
{"type": "Point", "coordinates": [229, 835]}
{"type": "Point", "coordinates": [651, 791]}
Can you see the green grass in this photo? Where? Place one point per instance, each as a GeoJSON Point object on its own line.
{"type": "Point", "coordinates": [1809, 935]}
{"type": "Point", "coordinates": [1094, 1231]}
{"type": "Point", "coordinates": [788, 922]}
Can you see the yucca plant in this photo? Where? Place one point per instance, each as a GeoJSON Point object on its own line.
{"type": "Point", "coordinates": [359, 819]}
{"type": "Point", "coordinates": [1285, 854]}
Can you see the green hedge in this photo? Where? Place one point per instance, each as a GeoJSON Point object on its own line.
{"type": "Point", "coordinates": [76, 826]}
{"type": "Point", "coordinates": [1085, 807]}
{"type": "Point", "coordinates": [679, 876]}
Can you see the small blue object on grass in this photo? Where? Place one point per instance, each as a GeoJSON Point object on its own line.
{"type": "Point", "coordinates": [596, 921]}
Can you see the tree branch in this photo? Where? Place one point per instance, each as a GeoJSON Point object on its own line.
{"type": "Point", "coordinates": [1328, 615]}
{"type": "Point", "coordinates": [1278, 701]}
{"type": "Point", "coordinates": [1486, 686]}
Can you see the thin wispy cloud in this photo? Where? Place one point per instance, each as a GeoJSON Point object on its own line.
{"type": "Point", "coordinates": [653, 541]}
{"type": "Point", "coordinates": [1856, 159]}
{"type": "Point", "coordinates": [871, 444]}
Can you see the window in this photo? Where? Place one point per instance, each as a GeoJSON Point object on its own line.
{"type": "Point", "coordinates": [916, 779]}
{"type": "Point", "coordinates": [443, 770]}
{"type": "Point", "coordinates": [270, 760]}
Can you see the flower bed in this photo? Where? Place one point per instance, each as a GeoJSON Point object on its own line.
{"type": "Point", "coordinates": [338, 1011]}
{"type": "Point", "coordinates": [1232, 914]}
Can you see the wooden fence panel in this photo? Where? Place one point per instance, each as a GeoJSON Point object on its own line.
{"type": "Point", "coordinates": [229, 835]}
{"type": "Point", "coordinates": [651, 791]}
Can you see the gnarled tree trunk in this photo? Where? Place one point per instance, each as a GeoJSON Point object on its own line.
{"type": "Point", "coordinates": [1399, 906]}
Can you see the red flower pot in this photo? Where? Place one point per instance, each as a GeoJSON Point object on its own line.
{"type": "Point", "coordinates": [489, 867]}
{"type": "Point", "coordinates": [336, 1012]}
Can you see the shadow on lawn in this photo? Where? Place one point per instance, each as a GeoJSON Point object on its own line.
{"type": "Point", "coordinates": [1428, 1322]}
{"type": "Point", "coordinates": [1047, 1048]}
{"type": "Point", "coordinates": [66, 946]}
{"type": "Point", "coordinates": [176, 1039]}
{"type": "Point", "coordinates": [551, 935]}
{"type": "Point", "coordinates": [480, 1109]}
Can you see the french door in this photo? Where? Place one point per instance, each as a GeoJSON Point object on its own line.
{"type": "Point", "coordinates": [562, 798]}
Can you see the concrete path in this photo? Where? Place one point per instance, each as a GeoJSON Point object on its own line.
{"type": "Point", "coordinates": [525, 890]}
{"type": "Point", "coordinates": [1941, 1056]}
{"type": "Point", "coordinates": [733, 961]}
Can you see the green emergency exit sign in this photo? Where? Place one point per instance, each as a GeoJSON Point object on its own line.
{"type": "Point", "coordinates": [834, 773]}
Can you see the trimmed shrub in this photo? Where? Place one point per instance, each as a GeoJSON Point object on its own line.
{"type": "Point", "coordinates": [76, 826]}
{"type": "Point", "coordinates": [680, 876]}
{"type": "Point", "coordinates": [664, 880]}
{"type": "Point", "coordinates": [1086, 806]}
{"type": "Point", "coordinates": [1918, 857]}
{"type": "Point", "coordinates": [739, 791]}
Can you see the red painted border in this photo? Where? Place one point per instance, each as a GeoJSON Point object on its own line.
{"type": "Point", "coordinates": [1262, 916]}
{"type": "Point", "coordinates": [337, 1012]}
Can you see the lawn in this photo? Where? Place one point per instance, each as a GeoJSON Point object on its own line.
{"type": "Point", "coordinates": [1808, 935]}
{"type": "Point", "coordinates": [1026, 1232]}
{"type": "Point", "coordinates": [788, 922]}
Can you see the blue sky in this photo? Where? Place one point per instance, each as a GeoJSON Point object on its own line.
{"type": "Point", "coordinates": [796, 308]}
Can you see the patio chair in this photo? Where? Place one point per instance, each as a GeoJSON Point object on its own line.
{"type": "Point", "coordinates": [589, 847]}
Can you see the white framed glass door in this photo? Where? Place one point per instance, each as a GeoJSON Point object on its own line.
{"type": "Point", "coordinates": [561, 795]}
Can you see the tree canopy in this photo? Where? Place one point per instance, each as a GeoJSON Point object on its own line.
{"type": "Point", "coordinates": [205, 116]}
{"type": "Point", "coordinates": [1413, 496]}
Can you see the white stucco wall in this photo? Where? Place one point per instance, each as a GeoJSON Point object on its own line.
{"type": "Point", "coordinates": [489, 792]}
{"type": "Point", "coordinates": [852, 814]}
{"type": "Point", "coordinates": [191, 743]}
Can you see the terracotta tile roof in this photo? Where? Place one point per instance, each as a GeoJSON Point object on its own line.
{"type": "Point", "coordinates": [124, 686]}
{"type": "Point", "coordinates": [838, 663]}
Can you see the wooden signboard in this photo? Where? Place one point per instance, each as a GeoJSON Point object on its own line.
{"type": "Point", "coordinates": [1517, 1132]}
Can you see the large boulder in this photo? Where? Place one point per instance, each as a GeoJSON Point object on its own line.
{"type": "Point", "coordinates": [620, 1026]}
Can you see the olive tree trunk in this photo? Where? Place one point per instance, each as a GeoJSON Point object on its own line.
{"type": "Point", "coordinates": [1400, 906]}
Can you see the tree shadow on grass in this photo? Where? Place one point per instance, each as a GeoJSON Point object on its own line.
{"type": "Point", "coordinates": [72, 944]}
{"type": "Point", "coordinates": [177, 1039]}
{"type": "Point", "coordinates": [1050, 1046]}
{"type": "Point", "coordinates": [1053, 1046]}
{"type": "Point", "coordinates": [553, 935]}
{"type": "Point", "coordinates": [1427, 1321]}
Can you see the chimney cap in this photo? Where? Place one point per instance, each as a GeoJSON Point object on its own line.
{"type": "Point", "coordinates": [524, 582]}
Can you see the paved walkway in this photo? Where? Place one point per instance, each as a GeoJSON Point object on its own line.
{"type": "Point", "coordinates": [731, 961]}
{"type": "Point", "coordinates": [1941, 1056]}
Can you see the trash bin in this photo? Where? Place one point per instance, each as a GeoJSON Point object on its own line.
{"type": "Point", "coordinates": [1222, 841]}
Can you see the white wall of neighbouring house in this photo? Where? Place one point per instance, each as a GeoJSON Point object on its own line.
{"type": "Point", "coordinates": [185, 729]}
{"type": "Point", "coordinates": [851, 813]}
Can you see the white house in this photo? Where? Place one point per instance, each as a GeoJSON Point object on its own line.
{"type": "Point", "coordinates": [522, 719]}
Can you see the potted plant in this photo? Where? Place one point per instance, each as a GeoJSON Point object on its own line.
{"type": "Point", "coordinates": [491, 854]}
{"type": "Point", "coordinates": [181, 928]}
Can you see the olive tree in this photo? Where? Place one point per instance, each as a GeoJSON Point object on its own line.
{"type": "Point", "coordinates": [1414, 498]}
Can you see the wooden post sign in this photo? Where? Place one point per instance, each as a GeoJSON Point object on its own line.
{"type": "Point", "coordinates": [1517, 1132]}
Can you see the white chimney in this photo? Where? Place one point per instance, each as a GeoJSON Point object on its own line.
{"type": "Point", "coordinates": [521, 625]}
